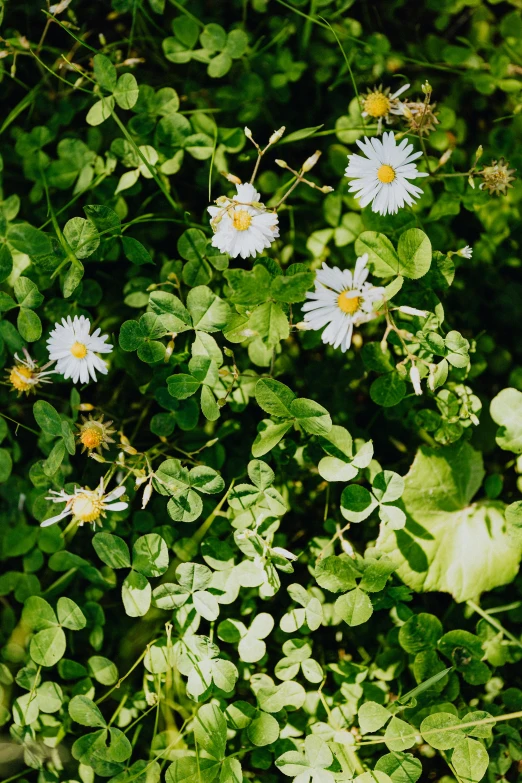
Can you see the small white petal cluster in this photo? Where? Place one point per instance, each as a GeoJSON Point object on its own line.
{"type": "Point", "coordinates": [75, 350]}
{"type": "Point", "coordinates": [342, 299]}
{"type": "Point", "coordinates": [242, 225]}
{"type": "Point", "coordinates": [382, 178]}
{"type": "Point", "coordinates": [86, 505]}
{"type": "Point", "coordinates": [465, 252]}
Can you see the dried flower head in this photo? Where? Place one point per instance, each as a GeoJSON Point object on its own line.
{"type": "Point", "coordinates": [420, 117]}
{"type": "Point", "coordinates": [25, 375]}
{"type": "Point", "coordinates": [94, 434]}
{"type": "Point", "coordinates": [497, 177]}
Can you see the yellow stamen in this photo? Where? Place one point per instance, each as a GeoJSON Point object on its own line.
{"type": "Point", "coordinates": [348, 304]}
{"type": "Point", "coordinates": [386, 173]}
{"type": "Point", "coordinates": [377, 105]}
{"type": "Point", "coordinates": [19, 378]}
{"type": "Point", "coordinates": [241, 220]}
{"type": "Point", "coordinates": [87, 508]}
{"type": "Point", "coordinates": [91, 437]}
{"type": "Point", "coordinates": [79, 350]}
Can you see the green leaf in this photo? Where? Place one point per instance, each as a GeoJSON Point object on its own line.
{"type": "Point", "coordinates": [401, 767]}
{"type": "Point", "coordinates": [274, 397]}
{"type": "Point", "coordinates": [448, 543]}
{"type": "Point", "coordinates": [6, 465]}
{"type": "Point", "coordinates": [103, 670]}
{"type": "Point", "coordinates": [209, 312]}
{"type": "Point", "coordinates": [414, 251]}
{"type": "Point", "coordinates": [311, 416]}
{"type": "Point", "coordinates": [48, 646]}
{"type": "Point", "coordinates": [182, 386]}
{"type": "Point", "coordinates": [372, 717]}
{"type": "Point", "coordinates": [112, 550]}
{"type": "Point", "coordinates": [100, 111]}
{"type": "Point", "coordinates": [441, 731]}
{"type": "Point", "coordinates": [357, 503]}
{"type": "Point", "coordinates": [27, 293]}
{"type": "Point", "coordinates": [126, 91]}
{"type": "Point", "coordinates": [47, 418]}
{"type": "Point", "coordinates": [29, 325]}
{"type": "Point", "coordinates": [399, 735]}
{"type": "Point", "coordinates": [354, 607]}
{"type": "Point", "coordinates": [82, 236]}
{"type": "Point", "coordinates": [210, 730]}
{"type": "Point", "coordinates": [470, 760]}
{"type": "Point", "coordinates": [150, 555]}
{"type": "Point", "coordinates": [388, 390]}
{"type": "Point", "coordinates": [506, 411]}
{"type": "Point", "coordinates": [420, 632]}
{"type": "Point", "coordinates": [336, 573]}
{"type": "Point", "coordinates": [104, 72]}
{"type": "Point", "coordinates": [381, 253]}
{"type": "Point", "coordinates": [70, 615]}
{"type": "Point", "coordinates": [263, 730]}
{"type": "Point", "coordinates": [136, 594]}
{"type": "Point", "coordinates": [84, 711]}
{"type": "Point", "coordinates": [268, 436]}
{"type": "Point", "coordinates": [135, 252]}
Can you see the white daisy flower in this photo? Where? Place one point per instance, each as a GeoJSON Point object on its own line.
{"type": "Point", "coordinates": [382, 177]}
{"type": "Point", "coordinates": [242, 225]}
{"type": "Point", "coordinates": [465, 252]}
{"type": "Point", "coordinates": [86, 505]}
{"type": "Point", "coordinates": [342, 299]}
{"type": "Point", "coordinates": [25, 375]}
{"type": "Point", "coordinates": [74, 349]}
{"type": "Point", "coordinates": [381, 106]}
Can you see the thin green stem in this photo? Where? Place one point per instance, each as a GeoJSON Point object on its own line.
{"type": "Point", "coordinates": [494, 623]}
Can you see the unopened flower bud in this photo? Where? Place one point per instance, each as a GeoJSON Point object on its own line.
{"type": "Point", "coordinates": [431, 377]}
{"type": "Point", "coordinates": [415, 379]}
{"type": "Point", "coordinates": [471, 181]}
{"type": "Point", "coordinates": [326, 189]}
{"type": "Point", "coordinates": [426, 88]}
{"type": "Point", "coordinates": [276, 135]}
{"type": "Point", "coordinates": [445, 156]}
{"type": "Point", "coordinates": [97, 457]}
{"type": "Point", "coordinates": [248, 133]}
{"type": "Point", "coordinates": [85, 406]}
{"type": "Point", "coordinates": [302, 326]}
{"type": "Point", "coordinates": [147, 494]}
{"type": "Point", "coordinates": [231, 178]}
{"type": "Point", "coordinates": [474, 419]}
{"type": "Point", "coordinates": [479, 152]}
{"type": "Point", "coordinates": [279, 550]}
{"type": "Point", "coordinates": [281, 163]}
{"type": "Point", "coordinates": [139, 480]}
{"type": "Point", "coordinates": [311, 161]}
{"type": "Point", "coordinates": [169, 350]}
{"type": "Point", "coordinates": [412, 311]}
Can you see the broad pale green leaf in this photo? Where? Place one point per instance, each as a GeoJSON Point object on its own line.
{"type": "Point", "coordinates": [399, 735]}
{"type": "Point", "coordinates": [150, 555]}
{"type": "Point", "coordinates": [354, 607]}
{"type": "Point", "coordinates": [414, 250]}
{"type": "Point", "coordinates": [381, 253]}
{"type": "Point", "coordinates": [112, 550]}
{"type": "Point", "coordinates": [210, 730]}
{"type": "Point", "coordinates": [471, 760]}
{"type": "Point", "coordinates": [506, 411]}
{"type": "Point", "coordinates": [126, 91]}
{"type": "Point", "coordinates": [263, 730]}
{"type": "Point", "coordinates": [69, 614]}
{"type": "Point", "coordinates": [401, 767]}
{"type": "Point", "coordinates": [274, 398]}
{"type": "Point", "coordinates": [268, 436]}
{"type": "Point", "coordinates": [448, 543]}
{"type": "Point", "coordinates": [82, 236]}
{"type": "Point", "coordinates": [103, 670]}
{"type": "Point", "coordinates": [441, 731]}
{"type": "Point", "coordinates": [84, 711]}
{"type": "Point", "coordinates": [47, 418]}
{"type": "Point", "coordinates": [48, 646]}
{"type": "Point", "coordinates": [136, 594]}
{"type": "Point", "coordinates": [372, 716]}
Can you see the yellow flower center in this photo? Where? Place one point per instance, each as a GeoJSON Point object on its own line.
{"type": "Point", "coordinates": [87, 507]}
{"type": "Point", "coordinates": [377, 105]}
{"type": "Point", "coordinates": [91, 437]}
{"type": "Point", "coordinates": [79, 350]}
{"type": "Point", "coordinates": [348, 304]}
{"type": "Point", "coordinates": [386, 173]}
{"type": "Point", "coordinates": [241, 220]}
{"type": "Point", "coordinates": [19, 378]}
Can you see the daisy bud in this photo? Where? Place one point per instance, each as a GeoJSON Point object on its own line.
{"type": "Point", "coordinates": [471, 182]}
{"type": "Point", "coordinates": [168, 351]}
{"type": "Point", "coordinates": [445, 157]}
{"type": "Point", "coordinates": [311, 161]}
{"type": "Point", "coordinates": [147, 494]}
{"type": "Point", "coordinates": [412, 311]}
{"type": "Point", "coordinates": [231, 178]}
{"type": "Point", "coordinates": [276, 135]}
{"type": "Point", "coordinates": [302, 326]}
{"type": "Point", "coordinates": [326, 189]}
{"type": "Point", "coordinates": [431, 377]}
{"type": "Point", "coordinates": [97, 457]}
{"type": "Point", "coordinates": [85, 406]}
{"type": "Point", "coordinates": [478, 153]}
{"type": "Point", "coordinates": [282, 163]}
{"type": "Point", "coordinates": [415, 379]}
{"type": "Point", "coordinates": [427, 88]}
{"type": "Point", "coordinates": [248, 133]}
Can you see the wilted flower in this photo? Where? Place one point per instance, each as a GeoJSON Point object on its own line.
{"type": "Point", "coordinates": [497, 177]}
{"type": "Point", "coordinates": [73, 347]}
{"type": "Point", "coordinates": [25, 375]}
{"type": "Point", "coordinates": [415, 379]}
{"type": "Point", "coordinates": [342, 299]}
{"type": "Point", "coordinates": [381, 106]}
{"type": "Point", "coordinates": [242, 225]}
{"type": "Point", "coordinates": [94, 434]}
{"type": "Point", "coordinates": [86, 505]}
{"type": "Point", "coordinates": [420, 117]}
{"type": "Point", "coordinates": [382, 177]}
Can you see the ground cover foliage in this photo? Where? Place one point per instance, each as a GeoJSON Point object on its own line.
{"type": "Point", "coordinates": [236, 545]}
